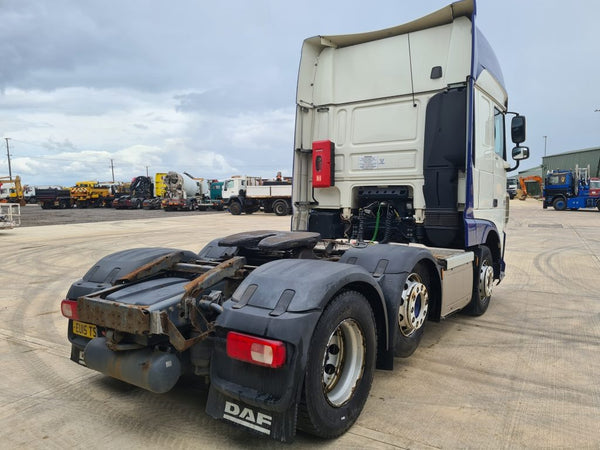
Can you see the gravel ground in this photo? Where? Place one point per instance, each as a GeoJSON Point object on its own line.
{"type": "Point", "coordinates": [34, 215]}
{"type": "Point", "coordinates": [522, 376]}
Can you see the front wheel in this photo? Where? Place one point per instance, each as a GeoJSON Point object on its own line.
{"type": "Point", "coordinates": [340, 367]}
{"type": "Point", "coordinates": [412, 311]}
{"type": "Point", "coordinates": [483, 282]}
{"type": "Point", "coordinates": [235, 208]}
{"type": "Point", "coordinates": [559, 204]}
{"type": "Point", "coordinates": [598, 205]}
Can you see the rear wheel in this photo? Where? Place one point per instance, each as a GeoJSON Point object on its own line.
{"type": "Point", "coordinates": [280, 208]}
{"type": "Point", "coordinates": [483, 282]}
{"type": "Point", "coordinates": [340, 367]}
{"type": "Point", "coordinates": [412, 311]}
{"type": "Point", "coordinates": [559, 204]}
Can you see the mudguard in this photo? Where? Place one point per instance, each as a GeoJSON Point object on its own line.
{"type": "Point", "coordinates": [116, 265]}
{"type": "Point", "coordinates": [280, 300]}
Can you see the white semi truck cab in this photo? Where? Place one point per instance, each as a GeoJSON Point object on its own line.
{"type": "Point", "coordinates": [400, 136]}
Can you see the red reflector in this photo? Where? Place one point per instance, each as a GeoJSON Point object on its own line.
{"type": "Point", "coordinates": [259, 351]}
{"type": "Point", "coordinates": [68, 308]}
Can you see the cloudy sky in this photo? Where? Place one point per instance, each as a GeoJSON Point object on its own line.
{"type": "Point", "coordinates": [209, 87]}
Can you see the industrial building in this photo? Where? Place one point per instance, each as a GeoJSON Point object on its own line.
{"type": "Point", "coordinates": [577, 158]}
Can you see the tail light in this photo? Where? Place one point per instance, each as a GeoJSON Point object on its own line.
{"type": "Point", "coordinates": [68, 308]}
{"type": "Point", "coordinates": [259, 351]}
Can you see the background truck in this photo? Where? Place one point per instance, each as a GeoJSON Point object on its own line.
{"type": "Point", "coordinates": [511, 187]}
{"type": "Point", "coordinates": [183, 192]}
{"type": "Point", "coordinates": [92, 194]}
{"type": "Point", "coordinates": [140, 189]}
{"type": "Point", "coordinates": [572, 189]}
{"type": "Point", "coordinates": [213, 198]}
{"type": "Point", "coordinates": [159, 192]}
{"type": "Point", "coordinates": [54, 197]}
{"type": "Point", "coordinates": [249, 194]}
{"type": "Point", "coordinates": [399, 215]}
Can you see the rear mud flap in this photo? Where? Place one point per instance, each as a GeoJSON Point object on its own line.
{"type": "Point", "coordinates": [280, 426]}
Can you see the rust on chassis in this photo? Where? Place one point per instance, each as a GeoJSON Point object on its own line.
{"type": "Point", "coordinates": [138, 319]}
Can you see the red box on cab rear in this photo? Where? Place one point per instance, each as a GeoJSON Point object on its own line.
{"type": "Point", "coordinates": [323, 158]}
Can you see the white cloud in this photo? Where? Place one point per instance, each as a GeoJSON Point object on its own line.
{"type": "Point", "coordinates": [209, 87]}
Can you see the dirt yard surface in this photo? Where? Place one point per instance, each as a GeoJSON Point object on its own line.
{"type": "Point", "coordinates": [523, 375]}
{"type": "Point", "coordinates": [34, 215]}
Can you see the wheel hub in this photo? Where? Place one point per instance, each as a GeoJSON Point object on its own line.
{"type": "Point", "coordinates": [486, 280]}
{"type": "Point", "coordinates": [414, 305]}
{"type": "Point", "coordinates": [343, 362]}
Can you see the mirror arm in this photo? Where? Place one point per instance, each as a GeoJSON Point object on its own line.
{"type": "Point", "coordinates": [510, 169]}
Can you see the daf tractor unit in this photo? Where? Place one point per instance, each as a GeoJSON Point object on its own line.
{"type": "Point", "coordinates": [399, 215]}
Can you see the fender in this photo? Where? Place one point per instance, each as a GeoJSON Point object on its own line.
{"type": "Point", "coordinates": [477, 231]}
{"type": "Point", "coordinates": [116, 265]}
{"type": "Point", "coordinates": [280, 300]}
{"type": "Point", "coordinates": [484, 232]}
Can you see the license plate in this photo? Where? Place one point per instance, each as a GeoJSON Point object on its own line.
{"type": "Point", "coordinates": [84, 329]}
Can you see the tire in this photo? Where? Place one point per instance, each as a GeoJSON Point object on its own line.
{"type": "Point", "coordinates": [138, 204]}
{"type": "Point", "coordinates": [483, 282]}
{"type": "Point", "coordinates": [280, 208]}
{"type": "Point", "coordinates": [559, 204]}
{"type": "Point", "coordinates": [413, 311]}
{"type": "Point", "coordinates": [598, 205]}
{"type": "Point", "coordinates": [340, 367]}
{"type": "Point", "coordinates": [235, 208]}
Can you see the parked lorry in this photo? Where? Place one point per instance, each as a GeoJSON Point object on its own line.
{"type": "Point", "coordinates": [511, 187]}
{"type": "Point", "coordinates": [159, 192]}
{"type": "Point", "coordinates": [140, 189]}
{"type": "Point", "coordinates": [182, 191]}
{"type": "Point", "coordinates": [92, 194]}
{"type": "Point", "coordinates": [185, 192]}
{"type": "Point", "coordinates": [213, 198]}
{"type": "Point", "coordinates": [399, 218]}
{"type": "Point", "coordinates": [54, 197]}
{"type": "Point", "coordinates": [249, 194]}
{"type": "Point", "coordinates": [572, 189]}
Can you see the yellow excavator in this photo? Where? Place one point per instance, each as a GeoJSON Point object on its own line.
{"type": "Point", "coordinates": [11, 190]}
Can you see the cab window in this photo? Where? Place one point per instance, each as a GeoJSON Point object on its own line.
{"type": "Point", "coordinates": [499, 141]}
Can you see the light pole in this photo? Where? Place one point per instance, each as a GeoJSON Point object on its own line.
{"type": "Point", "coordinates": [8, 157]}
{"type": "Point", "coordinates": [545, 141]}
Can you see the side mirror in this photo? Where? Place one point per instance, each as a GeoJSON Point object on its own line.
{"type": "Point", "coordinates": [517, 129]}
{"type": "Point", "coordinates": [519, 153]}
